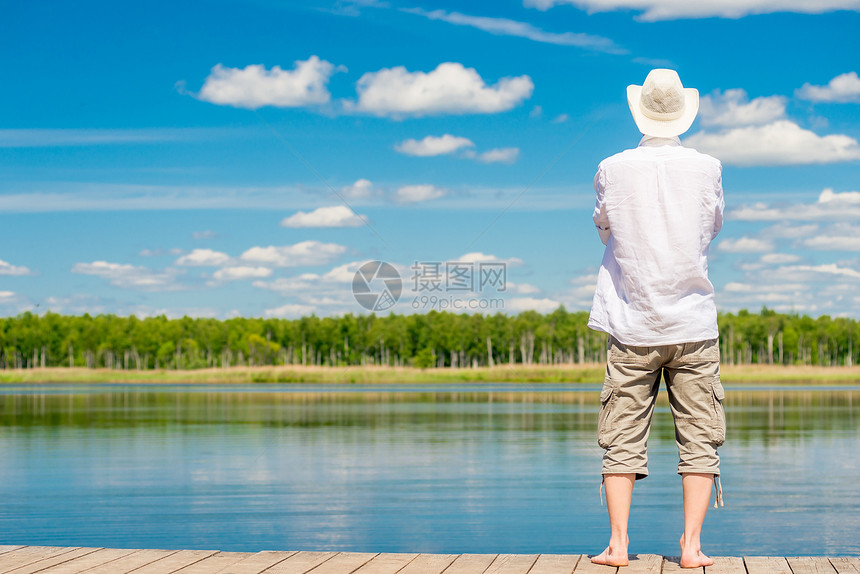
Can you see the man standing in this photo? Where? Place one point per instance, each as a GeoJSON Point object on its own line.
{"type": "Point", "coordinates": [658, 208]}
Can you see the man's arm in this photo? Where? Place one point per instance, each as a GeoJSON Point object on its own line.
{"type": "Point", "coordinates": [601, 219]}
{"type": "Point", "coordinates": [720, 205]}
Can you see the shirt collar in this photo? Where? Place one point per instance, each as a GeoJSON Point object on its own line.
{"type": "Point", "coordinates": [654, 141]}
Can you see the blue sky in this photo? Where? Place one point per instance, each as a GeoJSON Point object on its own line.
{"type": "Point", "coordinates": [246, 158]}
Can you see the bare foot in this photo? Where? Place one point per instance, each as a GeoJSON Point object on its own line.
{"type": "Point", "coordinates": [611, 557]}
{"type": "Point", "coordinates": [695, 560]}
{"type": "Point", "coordinates": [614, 555]}
{"type": "Point", "coordinates": [692, 556]}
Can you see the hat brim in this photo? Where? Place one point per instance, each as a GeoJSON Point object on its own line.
{"type": "Point", "coordinates": [664, 129]}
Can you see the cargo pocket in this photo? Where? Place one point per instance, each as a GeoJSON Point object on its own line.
{"type": "Point", "coordinates": [718, 425]}
{"type": "Point", "coordinates": [607, 402]}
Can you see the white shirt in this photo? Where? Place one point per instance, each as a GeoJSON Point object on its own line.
{"type": "Point", "coordinates": [658, 208]}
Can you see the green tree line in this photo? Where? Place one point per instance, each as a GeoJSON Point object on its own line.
{"type": "Point", "coordinates": [435, 339]}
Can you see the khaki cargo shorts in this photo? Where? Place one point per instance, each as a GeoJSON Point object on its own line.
{"type": "Point", "coordinates": [692, 375]}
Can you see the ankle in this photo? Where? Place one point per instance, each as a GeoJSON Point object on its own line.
{"type": "Point", "coordinates": [693, 543]}
{"type": "Point", "coordinates": [618, 544]}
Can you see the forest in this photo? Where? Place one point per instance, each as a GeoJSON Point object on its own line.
{"type": "Point", "coordinates": [431, 340]}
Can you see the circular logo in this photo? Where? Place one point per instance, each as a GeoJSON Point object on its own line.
{"type": "Point", "coordinates": [376, 286]}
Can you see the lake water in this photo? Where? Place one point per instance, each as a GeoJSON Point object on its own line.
{"type": "Point", "coordinates": [489, 468]}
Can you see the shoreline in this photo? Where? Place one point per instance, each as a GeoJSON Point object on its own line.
{"type": "Point", "coordinates": [577, 373]}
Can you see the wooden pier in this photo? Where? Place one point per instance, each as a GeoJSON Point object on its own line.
{"type": "Point", "coordinates": [74, 560]}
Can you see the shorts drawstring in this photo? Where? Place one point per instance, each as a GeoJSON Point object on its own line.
{"type": "Point", "coordinates": [718, 489]}
{"type": "Point", "coordinates": [602, 477]}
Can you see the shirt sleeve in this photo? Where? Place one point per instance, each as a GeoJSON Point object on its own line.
{"type": "Point", "coordinates": [601, 220]}
{"type": "Point", "coordinates": [720, 203]}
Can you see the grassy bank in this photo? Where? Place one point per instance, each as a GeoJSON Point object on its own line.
{"type": "Point", "coordinates": [584, 373]}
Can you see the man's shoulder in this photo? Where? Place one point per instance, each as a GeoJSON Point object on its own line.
{"type": "Point", "coordinates": [693, 152]}
{"type": "Point", "coordinates": [627, 154]}
{"type": "Point", "coordinates": [643, 154]}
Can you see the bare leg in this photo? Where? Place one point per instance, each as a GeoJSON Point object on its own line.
{"type": "Point", "coordinates": [697, 497]}
{"type": "Point", "coordinates": [619, 492]}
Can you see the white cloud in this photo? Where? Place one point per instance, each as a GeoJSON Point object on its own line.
{"type": "Point", "coordinates": [131, 276]}
{"type": "Point", "coordinates": [77, 304]}
{"type": "Point", "coordinates": [787, 288]}
{"type": "Point", "coordinates": [842, 88]}
{"type": "Point", "coordinates": [290, 311]}
{"type": "Point", "coordinates": [560, 119]}
{"type": "Point", "coordinates": [835, 237]}
{"type": "Point", "coordinates": [339, 277]}
{"type": "Point", "coordinates": [809, 273]}
{"type": "Point", "coordinates": [449, 89]}
{"type": "Point", "coordinates": [522, 288]}
{"type": "Point", "coordinates": [29, 138]}
{"type": "Point", "coordinates": [745, 245]}
{"type": "Point", "coordinates": [779, 143]}
{"type": "Point", "coordinates": [159, 252]}
{"type": "Point", "coordinates": [204, 235]}
{"type": "Point", "coordinates": [506, 27]}
{"type": "Point", "coordinates": [499, 155]}
{"type": "Point", "coordinates": [830, 206]}
{"type": "Point", "coordinates": [254, 86]}
{"type": "Point", "coordinates": [764, 287]}
{"type": "Point", "coordinates": [12, 303]}
{"type": "Point", "coordinates": [477, 256]}
{"type": "Point", "coordinates": [9, 269]}
{"type": "Point", "coordinates": [536, 112]}
{"type": "Point", "coordinates": [67, 196]}
{"type": "Point", "coordinates": [204, 258]}
{"type": "Point", "coordinates": [327, 292]}
{"type": "Point", "coordinates": [788, 230]}
{"type": "Point", "coordinates": [833, 243]}
{"type": "Point", "coordinates": [361, 189]}
{"type": "Point", "coordinates": [334, 216]}
{"type": "Point", "coordinates": [300, 254]}
{"type": "Point", "coordinates": [733, 108]}
{"type": "Point", "coordinates": [781, 282]}
{"type": "Point", "coordinates": [432, 146]}
{"type": "Point", "coordinates": [828, 196]}
{"type": "Point", "coordinates": [417, 193]}
{"type": "Point", "coordinates": [653, 10]}
{"type": "Point", "coordinates": [518, 304]}
{"type": "Point", "coordinates": [779, 258]}
{"type": "Point", "coordinates": [353, 7]}
{"type": "Point", "coordinates": [240, 272]}
{"type": "Point", "coordinates": [448, 144]}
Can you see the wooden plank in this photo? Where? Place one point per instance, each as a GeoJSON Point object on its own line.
{"type": "Point", "coordinates": [429, 564]}
{"type": "Point", "coordinates": [810, 565]}
{"type": "Point", "coordinates": [511, 564]}
{"type": "Point", "coordinates": [644, 564]}
{"type": "Point", "coordinates": [673, 564]}
{"type": "Point", "coordinates": [846, 565]}
{"type": "Point", "coordinates": [470, 564]}
{"type": "Point", "coordinates": [56, 561]}
{"type": "Point", "coordinates": [726, 565]}
{"type": "Point", "coordinates": [555, 564]}
{"type": "Point", "coordinates": [173, 562]}
{"type": "Point", "coordinates": [256, 563]}
{"type": "Point", "coordinates": [586, 566]}
{"type": "Point", "coordinates": [28, 555]}
{"type": "Point", "coordinates": [9, 548]}
{"type": "Point", "coordinates": [297, 563]}
{"type": "Point", "coordinates": [386, 563]}
{"type": "Point", "coordinates": [86, 561]}
{"type": "Point", "coordinates": [215, 563]}
{"type": "Point", "coordinates": [130, 562]}
{"type": "Point", "coordinates": [766, 565]}
{"type": "Point", "coordinates": [344, 562]}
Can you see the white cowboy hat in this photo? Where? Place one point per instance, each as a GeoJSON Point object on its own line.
{"type": "Point", "coordinates": [661, 106]}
